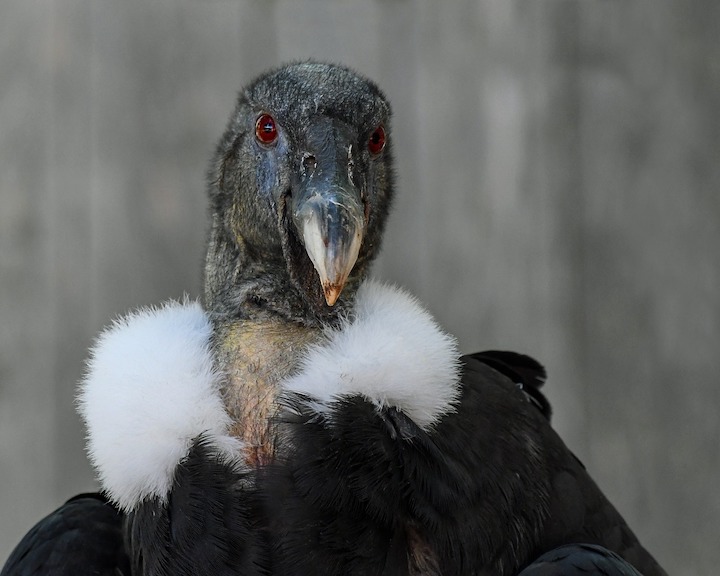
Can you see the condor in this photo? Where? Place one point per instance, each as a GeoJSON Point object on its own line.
{"type": "Point", "coordinates": [304, 420]}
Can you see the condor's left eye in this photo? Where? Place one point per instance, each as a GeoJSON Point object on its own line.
{"type": "Point", "coordinates": [376, 142]}
{"type": "Point", "coordinates": [266, 129]}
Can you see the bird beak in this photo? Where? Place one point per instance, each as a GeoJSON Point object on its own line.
{"type": "Point", "coordinates": [329, 215]}
{"type": "Point", "coordinates": [331, 223]}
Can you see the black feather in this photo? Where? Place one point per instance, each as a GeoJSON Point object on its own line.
{"type": "Point", "coordinates": [579, 560]}
{"type": "Point", "coordinates": [83, 537]}
{"type": "Point", "coordinates": [526, 372]}
{"type": "Point", "coordinates": [210, 524]}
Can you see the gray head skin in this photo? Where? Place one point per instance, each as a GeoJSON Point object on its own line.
{"type": "Point", "coordinates": [298, 207]}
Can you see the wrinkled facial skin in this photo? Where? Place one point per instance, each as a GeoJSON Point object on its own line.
{"type": "Point", "coordinates": [324, 116]}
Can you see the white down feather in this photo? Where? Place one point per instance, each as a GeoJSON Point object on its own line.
{"type": "Point", "coordinates": [390, 351]}
{"type": "Point", "coordinates": [150, 389]}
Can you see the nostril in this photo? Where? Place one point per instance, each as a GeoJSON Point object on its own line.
{"type": "Point", "coordinates": [308, 164]}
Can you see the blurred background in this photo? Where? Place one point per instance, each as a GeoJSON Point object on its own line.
{"type": "Point", "coordinates": [559, 194]}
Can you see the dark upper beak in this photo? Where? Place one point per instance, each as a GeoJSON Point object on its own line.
{"type": "Point", "coordinates": [327, 208]}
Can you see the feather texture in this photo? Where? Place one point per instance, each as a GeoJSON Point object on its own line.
{"type": "Point", "coordinates": [150, 389]}
{"type": "Point", "coordinates": [391, 352]}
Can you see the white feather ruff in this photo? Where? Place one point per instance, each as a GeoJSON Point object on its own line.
{"type": "Point", "coordinates": [391, 352]}
{"type": "Point", "coordinates": [150, 389]}
{"type": "Point", "coordinates": [152, 386]}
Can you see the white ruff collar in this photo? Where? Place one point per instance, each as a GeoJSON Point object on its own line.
{"type": "Point", "coordinates": [152, 386]}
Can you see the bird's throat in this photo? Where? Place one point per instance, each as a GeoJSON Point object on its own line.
{"type": "Point", "coordinates": [255, 356]}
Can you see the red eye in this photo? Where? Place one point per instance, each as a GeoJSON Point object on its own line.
{"type": "Point", "coordinates": [376, 143]}
{"type": "Point", "coordinates": [265, 129]}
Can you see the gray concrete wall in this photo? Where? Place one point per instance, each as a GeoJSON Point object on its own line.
{"type": "Point", "coordinates": [559, 194]}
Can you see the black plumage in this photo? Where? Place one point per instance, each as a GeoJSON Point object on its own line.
{"type": "Point", "coordinates": [579, 559]}
{"type": "Point", "coordinates": [209, 525]}
{"type": "Point", "coordinates": [82, 537]}
{"type": "Point", "coordinates": [490, 488]}
{"type": "Point", "coordinates": [300, 189]}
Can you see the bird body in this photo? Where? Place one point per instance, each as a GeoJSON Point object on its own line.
{"type": "Point", "coordinates": [305, 420]}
